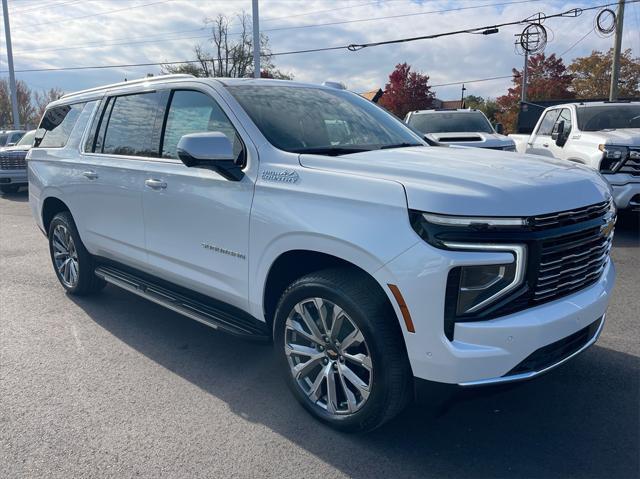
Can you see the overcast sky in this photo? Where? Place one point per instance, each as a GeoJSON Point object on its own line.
{"type": "Point", "coordinates": [65, 33]}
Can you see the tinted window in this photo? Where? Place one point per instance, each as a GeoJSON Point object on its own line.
{"type": "Point", "coordinates": [195, 112]}
{"type": "Point", "coordinates": [130, 127]}
{"type": "Point", "coordinates": [320, 120]}
{"type": "Point", "coordinates": [3, 138]}
{"type": "Point", "coordinates": [451, 122]}
{"type": "Point", "coordinates": [57, 124]}
{"type": "Point", "coordinates": [594, 118]}
{"type": "Point", "coordinates": [549, 119]}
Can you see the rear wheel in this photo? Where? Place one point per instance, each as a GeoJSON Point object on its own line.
{"type": "Point", "coordinates": [73, 264]}
{"type": "Point", "coordinates": [342, 349]}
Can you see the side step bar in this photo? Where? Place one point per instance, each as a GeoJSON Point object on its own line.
{"type": "Point", "coordinates": [242, 325]}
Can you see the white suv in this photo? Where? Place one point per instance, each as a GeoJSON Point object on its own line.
{"type": "Point", "coordinates": [307, 215]}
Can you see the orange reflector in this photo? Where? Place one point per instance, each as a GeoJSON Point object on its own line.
{"type": "Point", "coordinates": [403, 307]}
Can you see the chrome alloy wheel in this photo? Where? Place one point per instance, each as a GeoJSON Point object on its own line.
{"type": "Point", "coordinates": [65, 256]}
{"type": "Point", "coordinates": [328, 356]}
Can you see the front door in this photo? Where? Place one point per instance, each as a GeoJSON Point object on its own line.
{"type": "Point", "coordinates": [196, 221]}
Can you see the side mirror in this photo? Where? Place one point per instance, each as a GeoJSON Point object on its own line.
{"type": "Point", "coordinates": [499, 129]}
{"type": "Point", "coordinates": [210, 150]}
{"type": "Point", "coordinates": [11, 144]}
{"type": "Point", "coordinates": [558, 135]}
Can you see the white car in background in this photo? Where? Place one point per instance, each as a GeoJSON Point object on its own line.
{"type": "Point", "coordinates": [602, 135]}
{"type": "Point", "coordinates": [462, 127]}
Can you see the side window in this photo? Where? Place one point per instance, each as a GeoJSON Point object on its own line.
{"type": "Point", "coordinates": [56, 125]}
{"type": "Point", "coordinates": [549, 119]}
{"type": "Point", "coordinates": [195, 112]}
{"type": "Point", "coordinates": [565, 115]}
{"type": "Point", "coordinates": [130, 126]}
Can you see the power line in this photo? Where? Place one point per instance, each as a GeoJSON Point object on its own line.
{"type": "Point", "coordinates": [294, 27]}
{"type": "Point", "coordinates": [107, 12]}
{"type": "Point", "coordinates": [48, 6]}
{"type": "Point", "coordinates": [576, 43]}
{"type": "Point", "coordinates": [351, 47]}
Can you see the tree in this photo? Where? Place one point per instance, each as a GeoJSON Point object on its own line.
{"type": "Point", "coordinates": [548, 80]}
{"type": "Point", "coordinates": [489, 106]}
{"type": "Point", "coordinates": [592, 75]}
{"type": "Point", "coordinates": [41, 100]}
{"type": "Point", "coordinates": [230, 57]}
{"type": "Point", "coordinates": [406, 91]}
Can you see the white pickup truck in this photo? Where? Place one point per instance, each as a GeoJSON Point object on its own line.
{"type": "Point", "coordinates": [602, 135]}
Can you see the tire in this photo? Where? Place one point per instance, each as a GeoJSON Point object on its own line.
{"type": "Point", "coordinates": [384, 390]}
{"type": "Point", "coordinates": [9, 189]}
{"type": "Point", "coordinates": [78, 277]}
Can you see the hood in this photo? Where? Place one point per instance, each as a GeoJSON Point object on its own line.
{"type": "Point", "coordinates": [471, 181]}
{"type": "Point", "coordinates": [7, 149]}
{"type": "Point", "coordinates": [622, 136]}
{"type": "Point", "coordinates": [471, 138]}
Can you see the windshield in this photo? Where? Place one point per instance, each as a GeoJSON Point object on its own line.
{"type": "Point", "coordinates": [320, 120]}
{"type": "Point", "coordinates": [608, 117]}
{"type": "Point", "coordinates": [27, 139]}
{"type": "Point", "coordinates": [442, 122]}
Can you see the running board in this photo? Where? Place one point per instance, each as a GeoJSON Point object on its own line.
{"type": "Point", "coordinates": [242, 325]}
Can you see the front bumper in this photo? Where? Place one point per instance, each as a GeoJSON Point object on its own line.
{"type": "Point", "coordinates": [13, 177]}
{"type": "Point", "coordinates": [626, 190]}
{"type": "Point", "coordinates": [481, 351]}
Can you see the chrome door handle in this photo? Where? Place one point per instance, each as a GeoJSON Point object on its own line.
{"type": "Point", "coordinates": [155, 184]}
{"type": "Point", "coordinates": [92, 175]}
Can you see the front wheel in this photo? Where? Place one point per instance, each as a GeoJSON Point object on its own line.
{"type": "Point", "coordinates": [342, 349]}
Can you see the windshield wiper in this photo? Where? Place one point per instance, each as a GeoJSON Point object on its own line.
{"type": "Point", "coordinates": [400, 145]}
{"type": "Point", "coordinates": [329, 150]}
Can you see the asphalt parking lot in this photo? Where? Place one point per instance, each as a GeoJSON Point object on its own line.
{"type": "Point", "coordinates": [114, 386]}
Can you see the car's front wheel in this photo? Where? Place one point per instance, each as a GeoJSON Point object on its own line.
{"type": "Point", "coordinates": [73, 264]}
{"type": "Point", "coordinates": [342, 349]}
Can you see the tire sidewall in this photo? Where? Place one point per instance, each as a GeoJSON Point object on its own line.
{"type": "Point", "coordinates": [375, 404]}
{"type": "Point", "coordinates": [84, 269]}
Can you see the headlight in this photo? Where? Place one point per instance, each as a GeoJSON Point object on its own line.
{"type": "Point", "coordinates": [478, 286]}
{"type": "Point", "coordinates": [613, 157]}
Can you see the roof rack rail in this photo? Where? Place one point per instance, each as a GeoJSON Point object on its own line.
{"type": "Point", "coordinates": [132, 82]}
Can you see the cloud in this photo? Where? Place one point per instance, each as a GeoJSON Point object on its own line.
{"type": "Point", "coordinates": [449, 59]}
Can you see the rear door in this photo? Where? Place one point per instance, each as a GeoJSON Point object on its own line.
{"type": "Point", "coordinates": [541, 143]}
{"type": "Point", "coordinates": [197, 221]}
{"type": "Point", "coordinates": [124, 138]}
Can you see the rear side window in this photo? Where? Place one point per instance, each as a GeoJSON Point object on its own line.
{"type": "Point", "coordinates": [130, 126]}
{"type": "Point", "coordinates": [57, 124]}
{"type": "Point", "coordinates": [195, 112]}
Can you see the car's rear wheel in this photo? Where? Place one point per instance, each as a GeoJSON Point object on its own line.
{"type": "Point", "coordinates": [73, 264]}
{"type": "Point", "coordinates": [342, 349]}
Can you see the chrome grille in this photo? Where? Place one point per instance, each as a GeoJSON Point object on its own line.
{"type": "Point", "coordinates": [632, 165]}
{"type": "Point", "coordinates": [571, 262]}
{"type": "Point", "coordinates": [568, 217]}
{"type": "Point", "coordinates": [14, 160]}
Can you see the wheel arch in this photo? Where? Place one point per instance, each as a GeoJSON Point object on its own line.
{"type": "Point", "coordinates": [293, 264]}
{"type": "Point", "coordinates": [51, 206]}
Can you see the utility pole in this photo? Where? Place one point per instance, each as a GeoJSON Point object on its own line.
{"type": "Point", "coordinates": [12, 75]}
{"type": "Point", "coordinates": [256, 40]}
{"type": "Point", "coordinates": [524, 77]}
{"type": "Point", "coordinates": [617, 48]}
{"type": "Point", "coordinates": [462, 99]}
